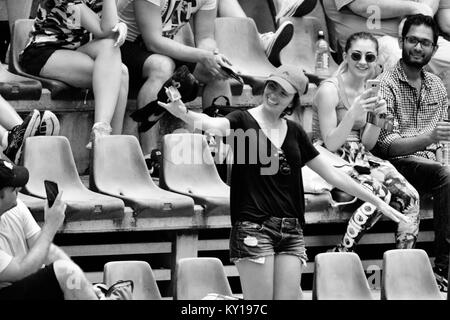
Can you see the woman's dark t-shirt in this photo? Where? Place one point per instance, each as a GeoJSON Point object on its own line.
{"type": "Point", "coordinates": [261, 185]}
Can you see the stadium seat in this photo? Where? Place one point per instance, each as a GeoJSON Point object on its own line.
{"type": "Point", "coordinates": [15, 87]}
{"type": "Point", "coordinates": [58, 89]}
{"type": "Point", "coordinates": [339, 276]}
{"type": "Point", "coordinates": [301, 50]}
{"type": "Point", "coordinates": [50, 158]}
{"type": "Point", "coordinates": [119, 170]}
{"type": "Point", "coordinates": [36, 205]}
{"type": "Point", "coordinates": [140, 272]}
{"type": "Point", "coordinates": [197, 277]}
{"type": "Point", "coordinates": [188, 168]}
{"type": "Point", "coordinates": [408, 275]}
{"type": "Point", "coordinates": [238, 40]}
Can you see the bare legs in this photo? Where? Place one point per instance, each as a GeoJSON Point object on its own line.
{"type": "Point", "coordinates": [277, 279]}
{"type": "Point", "coordinates": [95, 65]}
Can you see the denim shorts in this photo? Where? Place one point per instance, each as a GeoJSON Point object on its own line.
{"type": "Point", "coordinates": [254, 241]}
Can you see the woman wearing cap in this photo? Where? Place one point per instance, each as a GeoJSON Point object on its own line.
{"type": "Point", "coordinates": [341, 106]}
{"type": "Point", "coordinates": [267, 202]}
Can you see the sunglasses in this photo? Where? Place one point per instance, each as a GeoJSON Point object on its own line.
{"type": "Point", "coordinates": [425, 43]}
{"type": "Point", "coordinates": [284, 168]}
{"type": "Point", "coordinates": [357, 56]}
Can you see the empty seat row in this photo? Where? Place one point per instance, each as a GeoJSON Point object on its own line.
{"type": "Point", "coordinates": [120, 178]}
{"type": "Point", "coordinates": [407, 275]}
{"type": "Point", "coordinates": [195, 278]}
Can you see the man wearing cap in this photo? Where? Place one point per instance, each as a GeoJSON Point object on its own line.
{"type": "Point", "coordinates": [31, 266]}
{"type": "Point", "coordinates": [267, 202]}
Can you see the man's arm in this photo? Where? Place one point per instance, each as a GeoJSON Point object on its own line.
{"type": "Point", "coordinates": [394, 8]}
{"type": "Point", "coordinates": [22, 266]}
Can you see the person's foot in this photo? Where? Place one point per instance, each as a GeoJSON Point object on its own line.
{"type": "Point", "coordinates": [49, 125]}
{"type": "Point", "coordinates": [295, 8]}
{"type": "Point", "coordinates": [99, 129]}
{"type": "Point", "coordinates": [441, 279]}
{"type": "Point", "coordinates": [273, 43]}
{"type": "Point", "coordinates": [18, 134]}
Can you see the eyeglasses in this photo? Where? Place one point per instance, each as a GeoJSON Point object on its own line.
{"type": "Point", "coordinates": [425, 43]}
{"type": "Point", "coordinates": [357, 56]}
{"type": "Point", "coordinates": [284, 168]}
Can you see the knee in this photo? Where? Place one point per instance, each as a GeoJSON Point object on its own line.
{"type": "Point", "coordinates": [125, 75]}
{"type": "Point", "coordinates": [107, 45]}
{"type": "Point", "coordinates": [158, 67]}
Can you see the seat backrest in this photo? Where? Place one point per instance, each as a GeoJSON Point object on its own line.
{"type": "Point", "coordinates": [408, 275]}
{"type": "Point", "coordinates": [238, 40]}
{"type": "Point", "coordinates": [339, 276]}
{"type": "Point", "coordinates": [50, 158]}
{"type": "Point", "coordinates": [119, 165]}
{"type": "Point", "coordinates": [187, 163]}
{"type": "Point", "coordinates": [140, 272]}
{"type": "Point", "coordinates": [197, 277]}
{"type": "Point", "coordinates": [21, 31]}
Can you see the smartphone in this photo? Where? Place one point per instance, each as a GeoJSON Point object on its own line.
{"type": "Point", "coordinates": [232, 73]}
{"type": "Point", "coordinates": [51, 189]}
{"type": "Point", "coordinates": [172, 93]}
{"type": "Point", "coordinates": [373, 84]}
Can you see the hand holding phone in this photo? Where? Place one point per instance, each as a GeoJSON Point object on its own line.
{"type": "Point", "coordinates": [374, 85]}
{"type": "Point", "coordinates": [51, 189]}
{"type": "Point", "coordinates": [229, 70]}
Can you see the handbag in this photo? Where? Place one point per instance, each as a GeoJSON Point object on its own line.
{"type": "Point", "coordinates": [121, 290]}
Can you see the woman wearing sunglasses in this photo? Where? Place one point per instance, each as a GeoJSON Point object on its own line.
{"type": "Point", "coordinates": [266, 192]}
{"type": "Point", "coordinates": [342, 106]}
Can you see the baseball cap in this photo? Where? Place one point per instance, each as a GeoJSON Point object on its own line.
{"type": "Point", "coordinates": [290, 78]}
{"type": "Point", "coordinates": [12, 175]}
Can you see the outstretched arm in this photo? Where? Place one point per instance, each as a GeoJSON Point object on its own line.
{"type": "Point", "coordinates": [342, 181]}
{"type": "Point", "coordinates": [394, 8]}
{"type": "Point", "coordinates": [201, 121]}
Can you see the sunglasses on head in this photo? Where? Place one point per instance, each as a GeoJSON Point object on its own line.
{"type": "Point", "coordinates": [357, 56]}
{"type": "Point", "coordinates": [284, 168]}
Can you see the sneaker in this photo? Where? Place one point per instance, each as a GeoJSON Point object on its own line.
{"type": "Point", "coordinates": [99, 129]}
{"type": "Point", "coordinates": [295, 8]}
{"type": "Point", "coordinates": [441, 279]}
{"type": "Point", "coordinates": [49, 125]}
{"type": "Point", "coordinates": [273, 43]}
{"type": "Point", "coordinates": [19, 133]}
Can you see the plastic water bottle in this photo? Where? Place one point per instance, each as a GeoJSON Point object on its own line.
{"type": "Point", "coordinates": [322, 56]}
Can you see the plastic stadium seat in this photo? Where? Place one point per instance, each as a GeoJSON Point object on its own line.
{"type": "Point", "coordinates": [15, 87]}
{"type": "Point", "coordinates": [408, 275]}
{"type": "Point", "coordinates": [339, 276]}
{"type": "Point", "coordinates": [301, 49]}
{"type": "Point", "coordinates": [238, 40]}
{"type": "Point", "coordinates": [140, 272]}
{"type": "Point", "coordinates": [50, 158]}
{"type": "Point", "coordinates": [188, 168]}
{"type": "Point", "coordinates": [58, 89]}
{"type": "Point", "coordinates": [119, 170]}
{"type": "Point", "coordinates": [36, 205]}
{"type": "Point", "coordinates": [197, 277]}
